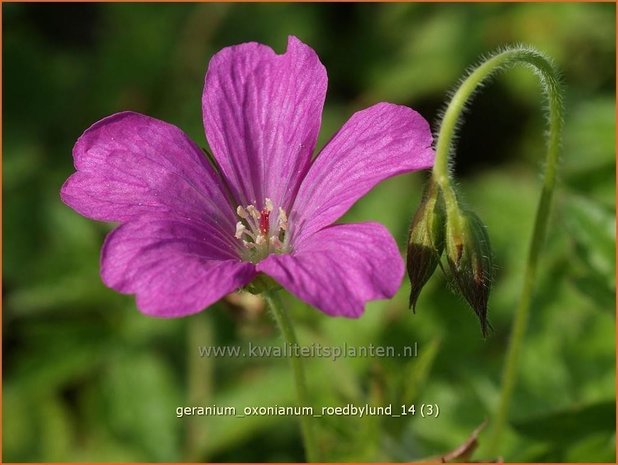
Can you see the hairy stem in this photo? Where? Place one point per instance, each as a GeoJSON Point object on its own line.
{"type": "Point", "coordinates": [285, 325]}
{"type": "Point", "coordinates": [553, 93]}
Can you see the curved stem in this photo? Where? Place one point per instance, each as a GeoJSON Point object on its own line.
{"type": "Point", "coordinates": [285, 325]}
{"type": "Point", "coordinates": [553, 93]}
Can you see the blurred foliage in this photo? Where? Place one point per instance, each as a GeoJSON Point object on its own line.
{"type": "Point", "coordinates": [88, 378]}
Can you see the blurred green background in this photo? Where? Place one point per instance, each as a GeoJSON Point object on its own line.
{"type": "Point", "coordinates": [86, 377]}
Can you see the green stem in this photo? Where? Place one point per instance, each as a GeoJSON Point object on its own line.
{"type": "Point", "coordinates": [285, 325]}
{"type": "Point", "coordinates": [553, 93]}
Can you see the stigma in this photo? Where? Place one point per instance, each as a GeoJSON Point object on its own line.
{"type": "Point", "coordinates": [261, 232]}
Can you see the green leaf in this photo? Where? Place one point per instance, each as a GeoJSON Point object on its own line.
{"type": "Point", "coordinates": [594, 448]}
{"type": "Point", "coordinates": [416, 371]}
{"type": "Point", "coordinates": [592, 229]}
{"type": "Point", "coordinates": [591, 131]}
{"type": "Point", "coordinates": [17, 425]}
{"type": "Point", "coordinates": [141, 397]}
{"type": "Point", "coordinates": [269, 387]}
{"type": "Point", "coordinates": [57, 356]}
{"type": "Point", "coordinates": [570, 425]}
{"type": "Point", "coordinates": [591, 285]}
{"type": "Point", "coordinates": [66, 292]}
{"type": "Point", "coordinates": [55, 430]}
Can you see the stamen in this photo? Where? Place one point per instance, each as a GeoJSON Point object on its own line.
{"type": "Point", "coordinates": [255, 232]}
{"type": "Point", "coordinates": [241, 212]}
{"type": "Point", "coordinates": [253, 212]}
{"type": "Point", "coordinates": [282, 222]}
{"type": "Point", "coordinates": [240, 229]}
{"type": "Point", "coordinates": [268, 205]}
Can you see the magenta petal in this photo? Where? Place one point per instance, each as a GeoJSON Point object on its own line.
{"type": "Point", "coordinates": [175, 267]}
{"type": "Point", "coordinates": [129, 165]}
{"type": "Point", "coordinates": [381, 141]}
{"type": "Point", "coordinates": [262, 114]}
{"type": "Point", "coordinates": [340, 268]}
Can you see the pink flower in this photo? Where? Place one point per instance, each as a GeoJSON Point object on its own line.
{"type": "Point", "coordinates": [190, 233]}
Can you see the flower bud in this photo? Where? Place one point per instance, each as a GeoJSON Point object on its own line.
{"type": "Point", "coordinates": [469, 258]}
{"type": "Point", "coordinates": [425, 241]}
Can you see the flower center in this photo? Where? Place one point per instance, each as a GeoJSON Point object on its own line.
{"type": "Point", "coordinates": [261, 232]}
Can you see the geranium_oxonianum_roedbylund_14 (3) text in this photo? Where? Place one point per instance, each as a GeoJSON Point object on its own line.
{"type": "Point", "coordinates": [191, 232]}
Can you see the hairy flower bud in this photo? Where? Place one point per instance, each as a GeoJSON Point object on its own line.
{"type": "Point", "coordinates": [469, 258]}
{"type": "Point", "coordinates": [425, 241]}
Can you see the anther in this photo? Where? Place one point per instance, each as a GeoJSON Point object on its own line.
{"type": "Point", "coordinates": [282, 222]}
{"type": "Point", "coordinates": [253, 212]}
{"type": "Point", "coordinates": [241, 212]}
{"type": "Point", "coordinates": [240, 230]}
